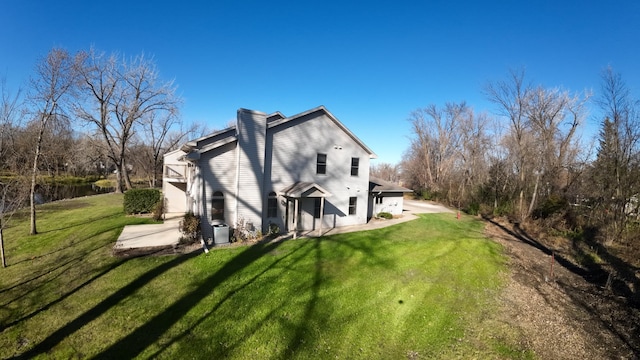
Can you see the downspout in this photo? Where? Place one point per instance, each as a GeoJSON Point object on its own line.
{"type": "Point", "coordinates": [201, 190]}
{"type": "Point", "coordinates": [238, 150]}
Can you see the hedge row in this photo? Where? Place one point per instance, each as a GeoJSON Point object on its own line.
{"type": "Point", "coordinates": [138, 201]}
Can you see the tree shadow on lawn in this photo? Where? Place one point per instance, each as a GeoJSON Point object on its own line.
{"type": "Point", "coordinates": [48, 305]}
{"type": "Point", "coordinates": [70, 328]}
{"type": "Point", "coordinates": [305, 245]}
{"type": "Point", "coordinates": [59, 262]}
{"type": "Point", "coordinates": [146, 335]}
{"type": "Point", "coordinates": [72, 244]}
{"type": "Point", "coordinates": [298, 331]}
{"type": "Point", "coordinates": [137, 341]}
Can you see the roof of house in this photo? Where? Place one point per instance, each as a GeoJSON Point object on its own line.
{"type": "Point", "coordinates": [379, 185]}
{"type": "Point", "coordinates": [324, 110]}
{"type": "Point", "coordinates": [302, 189]}
{"type": "Point", "coordinates": [225, 136]}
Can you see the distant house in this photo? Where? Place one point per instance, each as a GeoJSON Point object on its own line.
{"type": "Point", "coordinates": [307, 172]}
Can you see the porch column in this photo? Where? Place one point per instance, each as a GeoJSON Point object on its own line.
{"type": "Point", "coordinates": [321, 213]}
{"type": "Point", "coordinates": [295, 218]}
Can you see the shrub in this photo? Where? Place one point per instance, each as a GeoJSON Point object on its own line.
{"type": "Point", "coordinates": [425, 194]}
{"type": "Point", "coordinates": [158, 210]}
{"type": "Point", "coordinates": [139, 201]}
{"type": "Point", "coordinates": [503, 209]}
{"type": "Point", "coordinates": [245, 231]}
{"type": "Point", "coordinates": [274, 230]}
{"type": "Point", "coordinates": [385, 215]}
{"type": "Point", "coordinates": [473, 209]}
{"type": "Point", "coordinates": [190, 227]}
{"type": "Point", "coordinates": [550, 206]}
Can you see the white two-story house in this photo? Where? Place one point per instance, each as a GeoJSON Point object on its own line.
{"type": "Point", "coordinates": [306, 172]}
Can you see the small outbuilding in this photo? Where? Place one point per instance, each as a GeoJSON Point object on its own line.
{"type": "Point", "coordinates": [385, 196]}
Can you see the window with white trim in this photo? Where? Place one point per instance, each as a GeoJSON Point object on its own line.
{"type": "Point", "coordinates": [217, 206]}
{"type": "Point", "coordinates": [272, 205]}
{"type": "Point", "coordinates": [355, 163]}
{"type": "Point", "coordinates": [321, 164]}
{"type": "Point", "coordinates": [353, 202]}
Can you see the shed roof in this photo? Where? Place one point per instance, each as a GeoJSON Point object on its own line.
{"type": "Point", "coordinates": [379, 185]}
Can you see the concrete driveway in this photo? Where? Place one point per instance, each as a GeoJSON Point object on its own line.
{"type": "Point", "coordinates": [424, 207]}
{"type": "Point", "coordinates": [410, 208]}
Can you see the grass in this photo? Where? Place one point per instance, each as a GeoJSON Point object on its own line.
{"type": "Point", "coordinates": [415, 290]}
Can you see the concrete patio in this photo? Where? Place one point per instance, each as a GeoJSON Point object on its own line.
{"type": "Point", "coordinates": [150, 235]}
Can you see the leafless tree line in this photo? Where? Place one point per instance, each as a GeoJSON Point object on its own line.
{"type": "Point", "coordinates": [87, 113]}
{"type": "Point", "coordinates": [528, 160]}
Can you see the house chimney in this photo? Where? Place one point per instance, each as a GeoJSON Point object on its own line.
{"type": "Point", "coordinates": [251, 132]}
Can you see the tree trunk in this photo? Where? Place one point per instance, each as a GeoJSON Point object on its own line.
{"type": "Point", "coordinates": [534, 196]}
{"type": "Point", "coordinates": [32, 198]}
{"type": "Point", "coordinates": [125, 175]}
{"type": "Point", "coordinates": [34, 174]}
{"type": "Point", "coordinates": [4, 260]}
{"type": "Point", "coordinates": [521, 214]}
{"type": "Point", "coordinates": [118, 179]}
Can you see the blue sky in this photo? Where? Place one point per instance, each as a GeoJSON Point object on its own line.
{"type": "Point", "coordinates": [370, 63]}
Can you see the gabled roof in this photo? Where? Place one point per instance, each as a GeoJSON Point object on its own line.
{"type": "Point", "coordinates": [303, 189]}
{"type": "Point", "coordinates": [378, 185]}
{"type": "Point", "coordinates": [213, 140]}
{"type": "Point", "coordinates": [324, 110]}
{"type": "Point", "coordinates": [275, 116]}
{"type": "Point", "coordinates": [228, 135]}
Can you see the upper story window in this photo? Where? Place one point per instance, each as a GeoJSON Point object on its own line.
{"type": "Point", "coordinates": [355, 163]}
{"type": "Point", "coordinates": [272, 205]}
{"type": "Point", "coordinates": [353, 201]}
{"type": "Point", "coordinates": [217, 206]}
{"type": "Point", "coordinates": [321, 164]}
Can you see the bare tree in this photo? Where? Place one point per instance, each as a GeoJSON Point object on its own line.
{"type": "Point", "coordinates": [10, 118]}
{"type": "Point", "coordinates": [434, 155]}
{"type": "Point", "coordinates": [122, 94]}
{"type": "Point", "coordinates": [385, 171]}
{"type": "Point", "coordinates": [541, 141]}
{"type": "Point", "coordinates": [554, 116]}
{"type": "Point", "coordinates": [472, 160]}
{"type": "Point", "coordinates": [511, 97]}
{"type": "Point", "coordinates": [53, 82]}
{"type": "Point", "coordinates": [160, 133]}
{"type": "Point", "coordinates": [87, 156]}
{"type": "Point", "coordinates": [9, 121]}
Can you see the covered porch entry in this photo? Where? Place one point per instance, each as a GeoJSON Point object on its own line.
{"type": "Point", "coordinates": [304, 207]}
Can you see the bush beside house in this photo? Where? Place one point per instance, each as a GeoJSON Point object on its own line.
{"type": "Point", "coordinates": [139, 201]}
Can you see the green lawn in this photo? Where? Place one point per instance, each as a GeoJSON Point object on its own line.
{"type": "Point", "coordinates": [420, 289]}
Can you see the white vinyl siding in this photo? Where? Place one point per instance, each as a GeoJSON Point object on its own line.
{"type": "Point", "coordinates": [291, 155]}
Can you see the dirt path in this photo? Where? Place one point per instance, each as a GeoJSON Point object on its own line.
{"type": "Point", "coordinates": [564, 315]}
